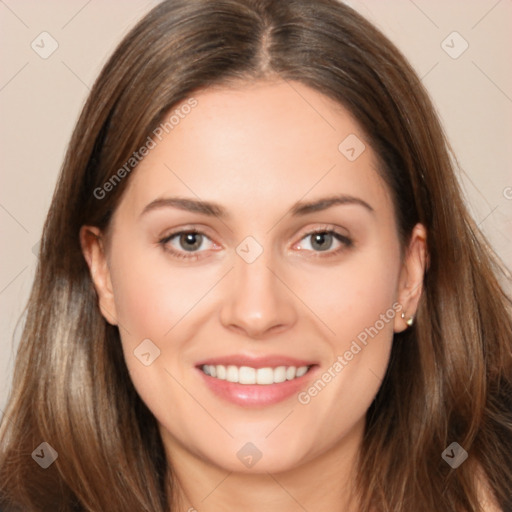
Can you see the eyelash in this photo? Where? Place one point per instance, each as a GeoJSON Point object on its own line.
{"type": "Point", "coordinates": [346, 242]}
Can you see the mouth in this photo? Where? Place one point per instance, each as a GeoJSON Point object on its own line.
{"type": "Point", "coordinates": [247, 375]}
{"type": "Point", "coordinates": [256, 382]}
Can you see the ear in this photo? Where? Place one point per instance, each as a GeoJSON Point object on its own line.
{"type": "Point", "coordinates": [93, 248]}
{"type": "Point", "coordinates": [410, 284]}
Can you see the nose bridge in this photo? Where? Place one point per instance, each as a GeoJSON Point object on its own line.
{"type": "Point", "coordinates": [257, 301]}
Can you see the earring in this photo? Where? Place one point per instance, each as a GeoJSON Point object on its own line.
{"type": "Point", "coordinates": [409, 321]}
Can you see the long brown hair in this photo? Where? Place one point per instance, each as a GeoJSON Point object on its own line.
{"type": "Point", "coordinates": [449, 377]}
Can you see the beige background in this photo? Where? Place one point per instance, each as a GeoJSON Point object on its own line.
{"type": "Point", "coordinates": [40, 100]}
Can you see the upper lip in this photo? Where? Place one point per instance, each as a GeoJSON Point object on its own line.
{"type": "Point", "coordinates": [256, 361]}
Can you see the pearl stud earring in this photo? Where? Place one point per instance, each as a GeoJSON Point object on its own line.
{"type": "Point", "coordinates": [409, 321]}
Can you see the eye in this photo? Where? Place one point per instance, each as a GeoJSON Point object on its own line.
{"type": "Point", "coordinates": [182, 242]}
{"type": "Point", "coordinates": [191, 243]}
{"type": "Point", "coordinates": [322, 241]}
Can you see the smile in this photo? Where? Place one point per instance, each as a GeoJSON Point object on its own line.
{"type": "Point", "coordinates": [248, 375]}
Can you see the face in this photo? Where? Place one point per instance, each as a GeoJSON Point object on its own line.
{"type": "Point", "coordinates": [261, 323]}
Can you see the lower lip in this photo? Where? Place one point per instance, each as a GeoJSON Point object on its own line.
{"type": "Point", "coordinates": [255, 394]}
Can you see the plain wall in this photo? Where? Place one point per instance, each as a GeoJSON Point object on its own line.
{"type": "Point", "coordinates": [40, 100]}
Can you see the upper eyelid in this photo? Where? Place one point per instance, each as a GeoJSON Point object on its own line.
{"type": "Point", "coordinates": [326, 228]}
{"type": "Point", "coordinates": [180, 231]}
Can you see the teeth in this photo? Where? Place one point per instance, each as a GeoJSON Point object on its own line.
{"type": "Point", "coordinates": [232, 374]}
{"type": "Point", "coordinates": [301, 371]}
{"type": "Point", "coordinates": [248, 375]}
{"type": "Point", "coordinates": [291, 372]}
{"type": "Point", "coordinates": [280, 374]}
{"type": "Point", "coordinates": [264, 375]}
{"type": "Point", "coordinates": [221, 372]}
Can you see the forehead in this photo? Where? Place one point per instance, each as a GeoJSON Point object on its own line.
{"type": "Point", "coordinates": [258, 143]}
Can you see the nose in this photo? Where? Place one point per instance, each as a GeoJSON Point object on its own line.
{"type": "Point", "coordinates": [258, 302]}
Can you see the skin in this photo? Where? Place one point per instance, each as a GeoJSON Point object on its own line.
{"type": "Point", "coordinates": [256, 150]}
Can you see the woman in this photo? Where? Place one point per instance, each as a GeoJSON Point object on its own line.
{"type": "Point", "coordinates": [258, 285]}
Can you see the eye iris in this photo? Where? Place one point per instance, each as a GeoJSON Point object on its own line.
{"type": "Point", "coordinates": [323, 241]}
{"type": "Point", "coordinates": [194, 239]}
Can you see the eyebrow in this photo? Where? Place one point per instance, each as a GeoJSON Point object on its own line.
{"type": "Point", "coordinates": [303, 208]}
{"type": "Point", "coordinates": [213, 209]}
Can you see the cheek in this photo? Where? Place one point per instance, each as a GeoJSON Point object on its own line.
{"type": "Point", "coordinates": [351, 295]}
{"type": "Point", "coordinates": [154, 301]}
{"type": "Point", "coordinates": [358, 302]}
{"type": "Point", "coordinates": [151, 295]}
{"type": "Point", "coordinates": [162, 302]}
